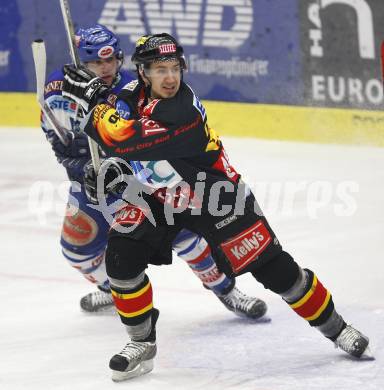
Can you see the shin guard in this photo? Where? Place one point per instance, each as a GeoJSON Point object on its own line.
{"type": "Point", "coordinates": [195, 251]}
{"type": "Point", "coordinates": [133, 301]}
{"type": "Point", "coordinates": [304, 293]}
{"type": "Point", "coordinates": [312, 301]}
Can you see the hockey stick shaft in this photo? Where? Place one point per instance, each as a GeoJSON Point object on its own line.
{"type": "Point", "coordinates": [382, 61]}
{"type": "Point", "coordinates": [68, 23]}
{"type": "Point", "coordinates": [69, 29]}
{"type": "Point", "coordinates": [40, 60]}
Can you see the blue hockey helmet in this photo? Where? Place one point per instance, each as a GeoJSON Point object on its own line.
{"type": "Point", "coordinates": [97, 43]}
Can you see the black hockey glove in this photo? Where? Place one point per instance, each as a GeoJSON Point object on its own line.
{"type": "Point", "coordinates": [83, 86]}
{"type": "Point", "coordinates": [111, 179]}
{"type": "Point", "coordinates": [72, 156]}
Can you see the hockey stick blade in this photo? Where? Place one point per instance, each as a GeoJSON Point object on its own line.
{"type": "Point", "coordinates": [40, 60]}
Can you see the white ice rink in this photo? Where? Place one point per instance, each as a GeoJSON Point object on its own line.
{"type": "Point", "coordinates": [333, 224]}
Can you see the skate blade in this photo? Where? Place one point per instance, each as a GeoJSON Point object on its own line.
{"type": "Point", "coordinates": [105, 311]}
{"type": "Point", "coordinates": [367, 354]}
{"type": "Point", "coordinates": [141, 369]}
{"type": "Point", "coordinates": [257, 318]}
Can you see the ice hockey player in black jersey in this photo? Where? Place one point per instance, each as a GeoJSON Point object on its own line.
{"type": "Point", "coordinates": [188, 182]}
{"type": "Point", "coordinates": [85, 230]}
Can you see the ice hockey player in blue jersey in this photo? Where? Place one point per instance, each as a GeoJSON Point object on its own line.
{"type": "Point", "coordinates": [84, 231]}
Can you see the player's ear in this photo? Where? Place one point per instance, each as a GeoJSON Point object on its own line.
{"type": "Point", "coordinates": [144, 77]}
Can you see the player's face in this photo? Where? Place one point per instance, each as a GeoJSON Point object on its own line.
{"type": "Point", "coordinates": [165, 78]}
{"type": "Point", "coordinates": [106, 69]}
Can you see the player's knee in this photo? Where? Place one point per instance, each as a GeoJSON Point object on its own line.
{"type": "Point", "coordinates": [128, 284]}
{"type": "Point", "coordinates": [279, 274]}
{"type": "Point", "coordinates": [125, 258]}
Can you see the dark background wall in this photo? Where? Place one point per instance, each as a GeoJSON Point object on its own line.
{"type": "Point", "coordinates": [295, 52]}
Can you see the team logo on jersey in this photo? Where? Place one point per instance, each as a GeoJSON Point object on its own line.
{"type": "Point", "coordinates": [60, 103]}
{"type": "Point", "coordinates": [79, 229]}
{"type": "Point", "coordinates": [105, 52]}
{"type": "Point", "coordinates": [110, 126]}
{"type": "Point", "coordinates": [129, 215]}
{"type": "Point", "coordinates": [56, 85]}
{"type": "Point", "coordinates": [150, 127]}
{"type": "Point", "coordinates": [245, 248]}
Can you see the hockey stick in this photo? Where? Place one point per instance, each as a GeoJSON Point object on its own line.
{"type": "Point", "coordinates": [76, 60]}
{"type": "Point", "coordinates": [40, 60]}
{"type": "Point", "coordinates": [382, 61]}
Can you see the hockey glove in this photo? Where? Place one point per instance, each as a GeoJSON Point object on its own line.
{"type": "Point", "coordinates": [83, 86]}
{"type": "Point", "coordinates": [72, 156]}
{"type": "Point", "coordinates": [111, 179]}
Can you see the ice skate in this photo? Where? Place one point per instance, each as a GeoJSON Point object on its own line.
{"type": "Point", "coordinates": [354, 343]}
{"type": "Point", "coordinates": [136, 358]}
{"type": "Point", "coordinates": [243, 305]}
{"type": "Point", "coordinates": [97, 302]}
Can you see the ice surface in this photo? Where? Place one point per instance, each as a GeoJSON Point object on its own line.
{"type": "Point", "coordinates": [47, 343]}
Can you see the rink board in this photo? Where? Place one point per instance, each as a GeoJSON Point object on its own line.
{"type": "Point", "coordinates": [310, 124]}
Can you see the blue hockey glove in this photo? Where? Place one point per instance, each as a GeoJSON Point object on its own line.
{"type": "Point", "coordinates": [73, 156]}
